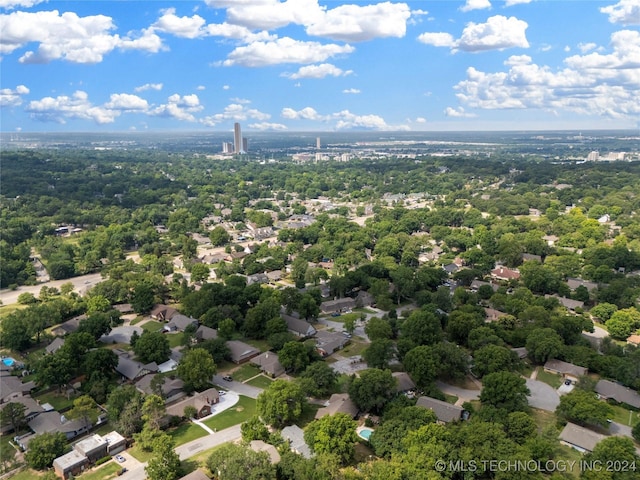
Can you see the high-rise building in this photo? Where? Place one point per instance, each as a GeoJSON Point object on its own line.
{"type": "Point", "coordinates": [318, 143]}
{"type": "Point", "coordinates": [237, 138]}
{"type": "Point", "coordinates": [227, 147]}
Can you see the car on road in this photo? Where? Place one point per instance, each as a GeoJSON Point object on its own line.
{"type": "Point", "coordinates": [120, 458]}
{"type": "Point", "coordinates": [221, 392]}
{"type": "Point", "coordinates": [227, 378]}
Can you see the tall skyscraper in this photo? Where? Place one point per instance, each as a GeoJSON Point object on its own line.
{"type": "Point", "coordinates": [318, 143]}
{"type": "Point", "coordinates": [237, 138]}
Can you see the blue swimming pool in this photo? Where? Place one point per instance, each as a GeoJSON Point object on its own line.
{"type": "Point", "coordinates": [8, 361]}
{"type": "Point", "coordinates": [365, 433]}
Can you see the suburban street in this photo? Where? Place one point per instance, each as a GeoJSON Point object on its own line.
{"type": "Point", "coordinates": [80, 284]}
{"type": "Point", "coordinates": [542, 396]}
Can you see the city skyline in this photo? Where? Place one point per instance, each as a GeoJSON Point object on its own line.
{"type": "Point", "coordinates": [316, 65]}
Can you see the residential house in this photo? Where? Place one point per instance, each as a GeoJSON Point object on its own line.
{"type": "Point", "coordinates": [195, 475]}
{"type": "Point", "coordinates": [11, 387]}
{"type": "Point", "coordinates": [241, 352]}
{"type": "Point", "coordinates": [493, 315]}
{"type": "Point", "coordinates": [329, 342]}
{"type": "Point", "coordinates": [203, 402]}
{"type": "Point", "coordinates": [94, 447]}
{"type": "Point", "coordinates": [450, 268]}
{"type": "Point", "coordinates": [132, 370]}
{"type": "Point", "coordinates": [55, 345]}
{"type": "Point", "coordinates": [550, 239]}
{"type": "Point", "coordinates": [609, 390]}
{"type": "Point", "coordinates": [568, 303]}
{"type": "Point", "coordinates": [578, 282]}
{"type": "Point", "coordinates": [634, 340]}
{"type": "Point", "coordinates": [179, 323]}
{"type": "Point", "coordinates": [445, 412]}
{"type": "Point", "coordinates": [67, 327]}
{"type": "Point", "coordinates": [476, 284]}
{"type": "Point", "coordinates": [404, 383]}
{"type": "Point", "coordinates": [163, 313]}
{"type": "Point", "coordinates": [32, 408]}
{"type": "Point", "coordinates": [269, 364]}
{"type": "Point", "coordinates": [338, 305]}
{"type": "Point", "coordinates": [338, 403]}
{"type": "Point", "coordinates": [56, 422]}
{"type": "Point", "coordinates": [529, 257]}
{"type": "Point", "coordinates": [70, 464]}
{"type": "Point", "coordinates": [295, 435]}
{"type": "Point", "coordinates": [116, 443]}
{"type": "Point", "coordinates": [212, 258]}
{"type": "Point", "coordinates": [260, 446]}
{"type": "Point", "coordinates": [505, 274]}
{"type": "Point", "coordinates": [580, 438]}
{"type": "Point", "coordinates": [257, 278]}
{"type": "Point", "coordinates": [124, 308]}
{"type": "Point", "coordinates": [204, 333]}
{"type": "Point", "coordinates": [171, 388]}
{"type": "Point", "coordinates": [274, 276]}
{"type": "Point", "coordinates": [364, 299]}
{"type": "Point", "coordinates": [521, 352]}
{"type": "Point", "coordinates": [568, 371]}
{"type": "Point", "coordinates": [300, 328]}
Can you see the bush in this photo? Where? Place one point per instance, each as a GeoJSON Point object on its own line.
{"type": "Point", "coordinates": [102, 460]}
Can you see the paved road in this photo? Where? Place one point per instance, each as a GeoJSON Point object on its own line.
{"type": "Point", "coordinates": [596, 337]}
{"type": "Point", "coordinates": [462, 393]}
{"type": "Point", "coordinates": [542, 396]}
{"type": "Point", "coordinates": [81, 285]}
{"type": "Point", "coordinates": [238, 387]}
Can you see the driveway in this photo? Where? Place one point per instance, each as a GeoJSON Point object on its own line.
{"type": "Point", "coordinates": [596, 337]}
{"type": "Point", "coordinates": [121, 334]}
{"type": "Point", "coordinates": [462, 393]}
{"type": "Point", "coordinates": [542, 396]}
{"type": "Point", "coordinates": [238, 387]}
{"type": "Point", "coordinates": [348, 365]}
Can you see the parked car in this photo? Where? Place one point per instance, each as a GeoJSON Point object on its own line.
{"type": "Point", "coordinates": [567, 382]}
{"type": "Point", "coordinates": [221, 392]}
{"type": "Point", "coordinates": [122, 472]}
{"type": "Point", "coordinates": [120, 458]}
{"type": "Point", "coordinates": [227, 378]}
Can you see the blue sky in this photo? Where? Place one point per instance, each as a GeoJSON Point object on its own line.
{"type": "Point", "coordinates": [317, 65]}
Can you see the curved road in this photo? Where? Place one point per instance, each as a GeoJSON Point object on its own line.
{"type": "Point", "coordinates": [80, 284]}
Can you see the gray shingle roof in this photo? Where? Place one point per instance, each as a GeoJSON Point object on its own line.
{"type": "Point", "coordinates": [620, 394]}
{"type": "Point", "coordinates": [445, 412]}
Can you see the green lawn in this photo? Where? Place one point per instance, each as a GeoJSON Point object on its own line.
{"type": "Point", "coordinates": [621, 415]}
{"type": "Point", "coordinates": [543, 418]}
{"type": "Point", "coordinates": [261, 345]}
{"type": "Point", "coordinates": [243, 410]}
{"type": "Point", "coordinates": [308, 415]}
{"type": "Point", "coordinates": [261, 382]}
{"type": "Point", "coordinates": [59, 401]}
{"type": "Point", "coordinates": [187, 432]}
{"type": "Point", "coordinates": [139, 454]}
{"type": "Point", "coordinates": [452, 399]}
{"type": "Point", "coordinates": [10, 308]}
{"type": "Point", "coordinates": [245, 372]}
{"type": "Point", "coordinates": [549, 378]}
{"type": "Point", "coordinates": [152, 326]}
{"type": "Point", "coordinates": [175, 339]}
{"type": "Point", "coordinates": [27, 474]}
{"type": "Point", "coordinates": [353, 349]}
{"type": "Point", "coordinates": [103, 472]}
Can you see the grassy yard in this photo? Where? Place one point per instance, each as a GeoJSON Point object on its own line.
{"type": "Point", "coordinates": [139, 454]}
{"type": "Point", "coordinates": [260, 382]}
{"type": "Point", "coordinates": [7, 309]}
{"type": "Point", "coordinates": [353, 349]}
{"type": "Point", "coordinates": [245, 372]}
{"type": "Point", "coordinates": [103, 472]}
{"type": "Point", "coordinates": [58, 400]}
{"type": "Point", "coordinates": [261, 345]}
{"type": "Point", "coordinates": [243, 410]}
{"type": "Point", "coordinates": [543, 418]}
{"type": "Point", "coordinates": [621, 415]}
{"type": "Point", "coordinates": [549, 378]}
{"type": "Point", "coordinates": [175, 339]}
{"type": "Point", "coordinates": [452, 399]}
{"type": "Point", "coordinates": [27, 474]}
{"type": "Point", "coordinates": [152, 326]}
{"type": "Point", "coordinates": [308, 415]}
{"type": "Point", "coordinates": [187, 432]}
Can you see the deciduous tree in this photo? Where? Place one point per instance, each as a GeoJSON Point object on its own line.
{"type": "Point", "coordinates": [196, 369]}
{"type": "Point", "coordinates": [334, 434]}
{"type": "Point", "coordinates": [281, 403]}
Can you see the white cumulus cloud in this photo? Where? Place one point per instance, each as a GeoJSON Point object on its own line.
{"type": "Point", "coordinates": [475, 5]}
{"type": "Point", "coordinates": [351, 90]}
{"type": "Point", "coordinates": [269, 14]}
{"type": "Point", "coordinates": [457, 112]}
{"type": "Point", "coordinates": [185, 27]}
{"type": "Point", "coordinates": [343, 120]}
{"type": "Point", "coordinates": [66, 36]}
{"type": "Point", "coordinates": [595, 84]}
{"type": "Point", "coordinates": [237, 112]}
{"type": "Point", "coordinates": [148, 86]}
{"type": "Point", "coordinates": [625, 12]}
{"type": "Point", "coordinates": [307, 113]}
{"type": "Point", "coordinates": [266, 126]}
{"type": "Point", "coordinates": [283, 50]}
{"type": "Point", "coordinates": [497, 33]}
{"type": "Point", "coordinates": [60, 109]}
{"type": "Point", "coordinates": [318, 71]}
{"type": "Point", "coordinates": [179, 107]}
{"type": "Point", "coordinates": [355, 23]}
{"type": "Point", "coordinates": [126, 102]}
{"type": "Point", "coordinates": [10, 4]}
{"type": "Point", "coordinates": [12, 97]}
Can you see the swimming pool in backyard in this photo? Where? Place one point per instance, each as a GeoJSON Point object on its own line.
{"type": "Point", "coordinates": [365, 433]}
{"type": "Point", "coordinates": [8, 361]}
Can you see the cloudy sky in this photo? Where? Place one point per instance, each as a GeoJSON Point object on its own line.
{"type": "Point", "coordinates": [319, 65]}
